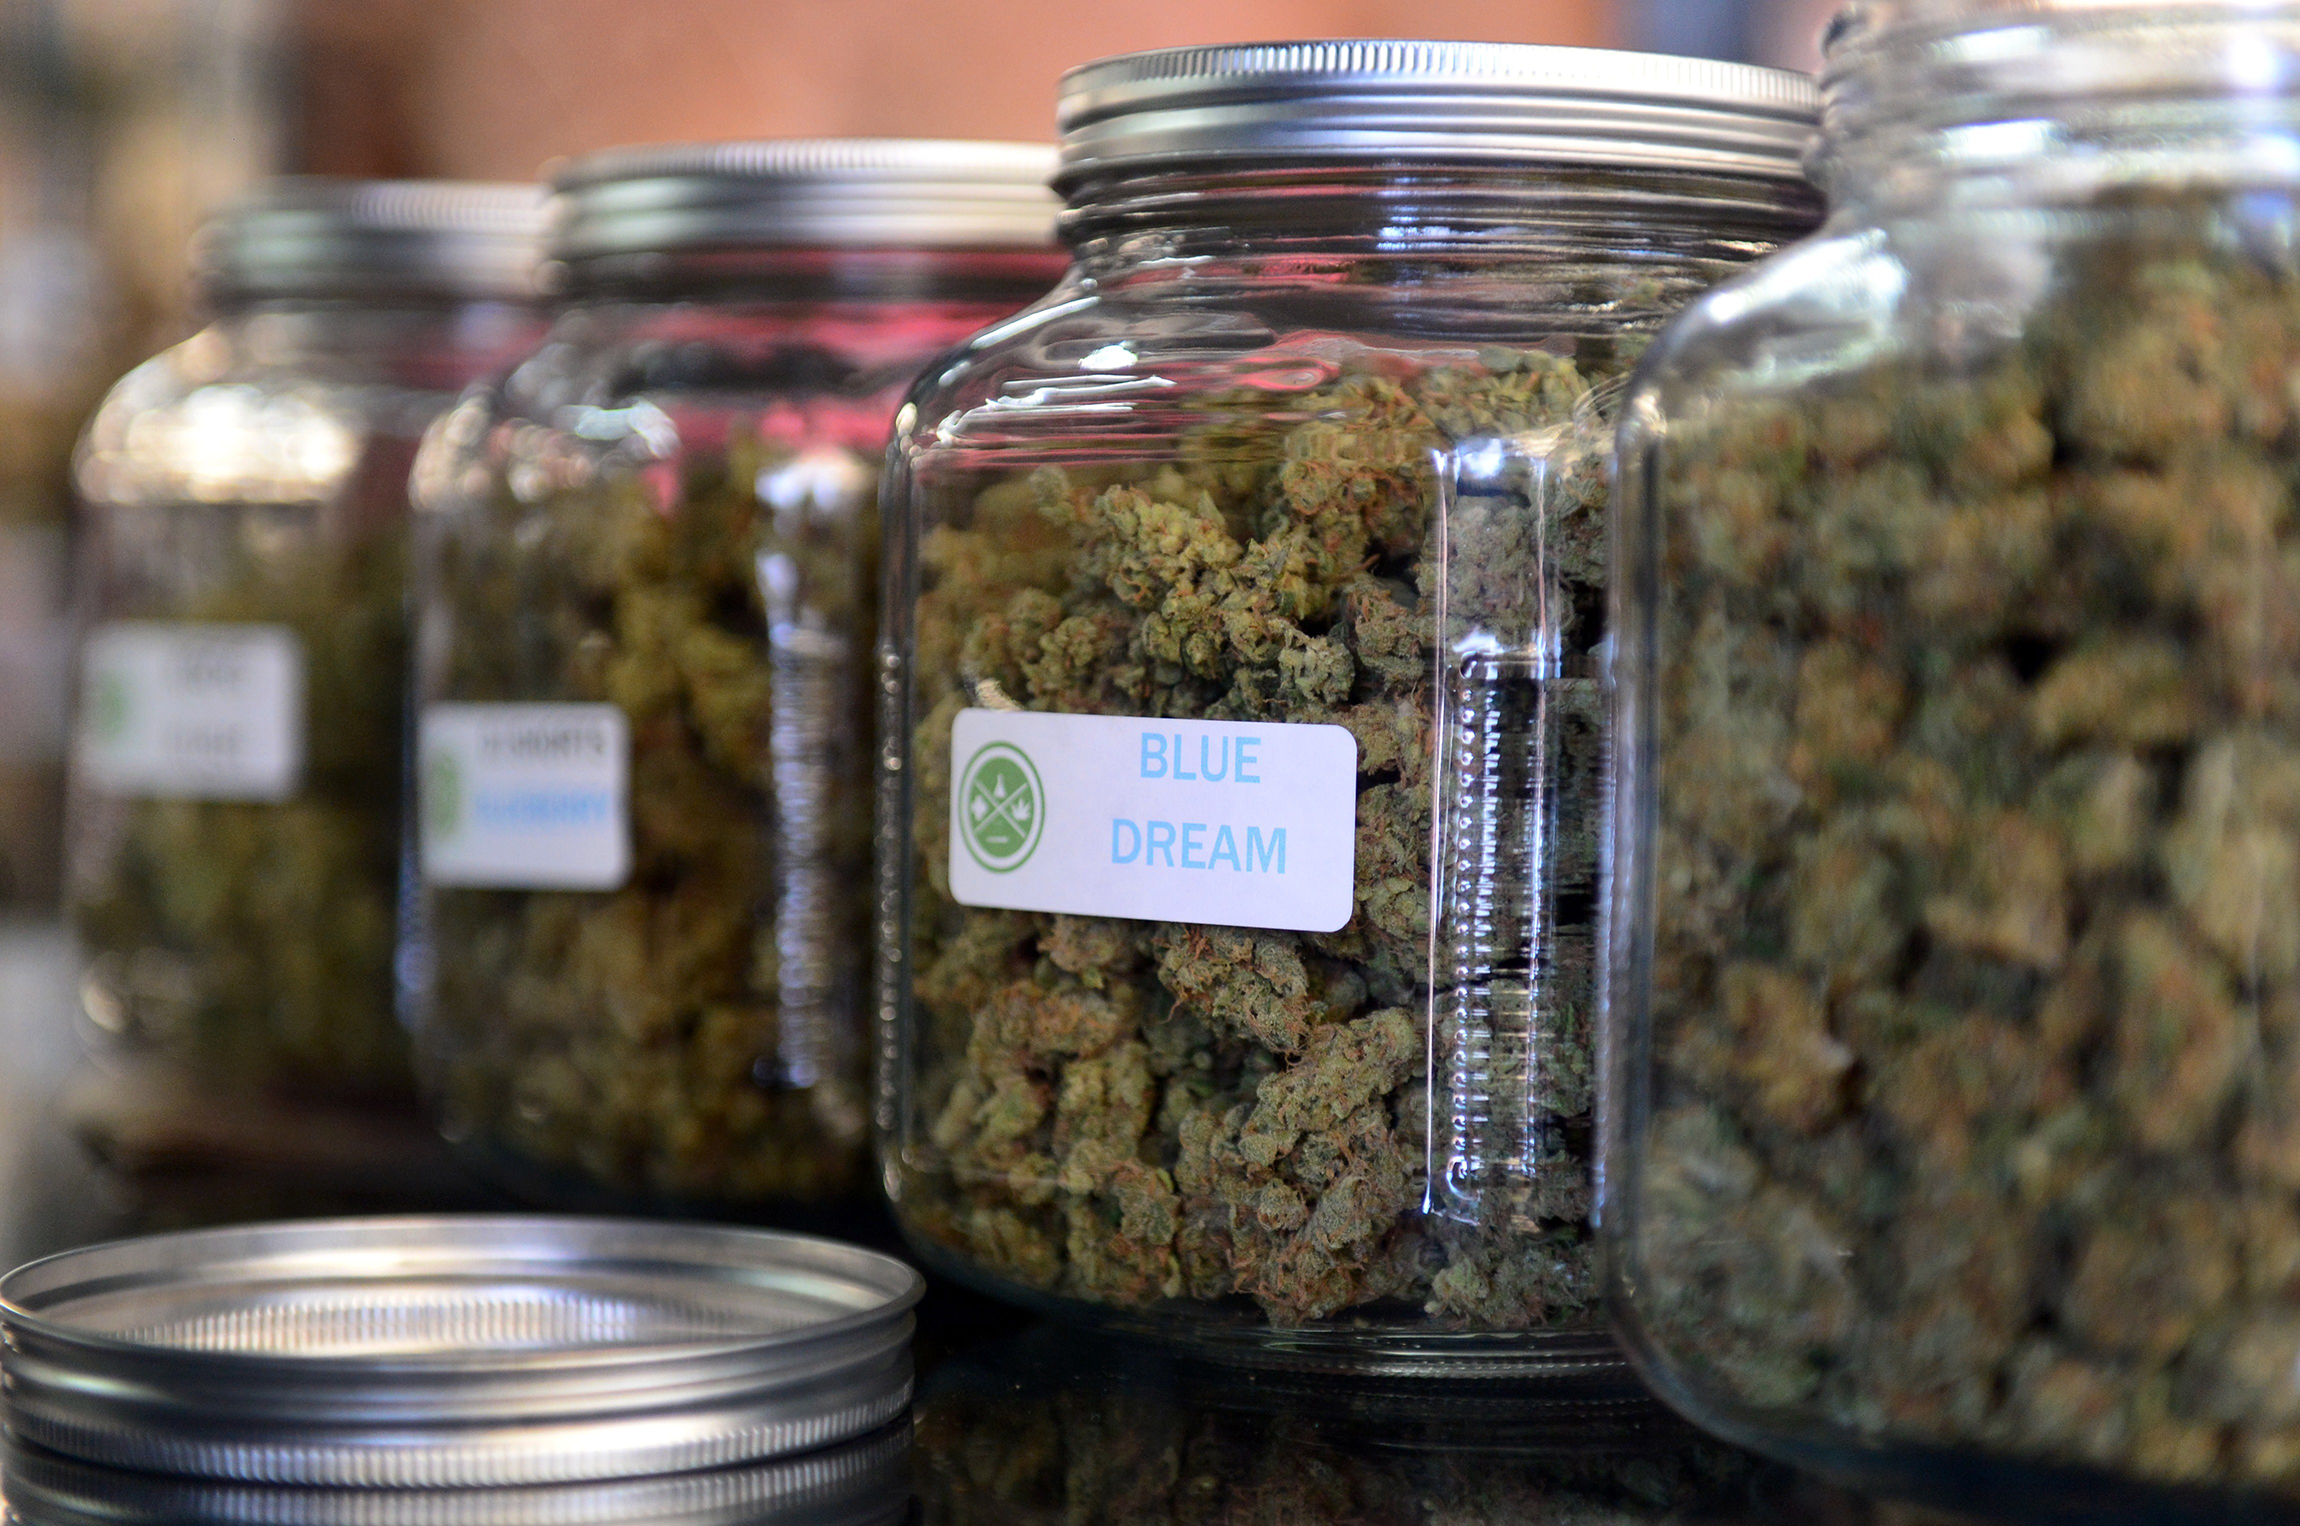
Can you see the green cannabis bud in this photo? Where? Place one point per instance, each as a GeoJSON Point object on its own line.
{"type": "Point", "coordinates": [1976, 982]}
{"type": "Point", "coordinates": [689, 1036]}
{"type": "Point", "coordinates": [1133, 1112]}
{"type": "Point", "coordinates": [253, 939]}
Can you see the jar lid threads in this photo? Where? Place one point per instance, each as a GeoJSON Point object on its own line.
{"type": "Point", "coordinates": [316, 236]}
{"type": "Point", "coordinates": [847, 192]}
{"type": "Point", "coordinates": [454, 1351]}
{"type": "Point", "coordinates": [1400, 102]}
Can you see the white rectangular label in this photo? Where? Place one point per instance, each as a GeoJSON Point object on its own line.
{"type": "Point", "coordinates": [1237, 824]}
{"type": "Point", "coordinates": [525, 796]}
{"type": "Point", "coordinates": [192, 711]}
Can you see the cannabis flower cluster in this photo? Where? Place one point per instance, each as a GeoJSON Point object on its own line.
{"type": "Point", "coordinates": [1128, 1113]}
{"type": "Point", "coordinates": [1976, 981]}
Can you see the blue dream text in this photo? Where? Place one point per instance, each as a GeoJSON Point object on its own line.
{"type": "Point", "coordinates": [1164, 845]}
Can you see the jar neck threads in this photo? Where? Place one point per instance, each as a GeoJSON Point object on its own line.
{"type": "Point", "coordinates": [810, 274]}
{"type": "Point", "coordinates": [438, 344]}
{"type": "Point", "coordinates": [1470, 212]}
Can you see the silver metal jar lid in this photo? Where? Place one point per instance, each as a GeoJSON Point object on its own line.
{"type": "Point", "coordinates": [444, 1352]}
{"type": "Point", "coordinates": [315, 236]}
{"type": "Point", "coordinates": [1423, 102]}
{"type": "Point", "coordinates": [854, 192]}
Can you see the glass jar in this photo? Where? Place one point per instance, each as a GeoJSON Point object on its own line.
{"type": "Point", "coordinates": [233, 826]}
{"type": "Point", "coordinates": [647, 586]}
{"type": "Point", "coordinates": [1242, 603]}
{"type": "Point", "coordinates": [1956, 950]}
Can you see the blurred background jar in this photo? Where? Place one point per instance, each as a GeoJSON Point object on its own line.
{"type": "Point", "coordinates": [234, 826]}
{"type": "Point", "coordinates": [1957, 942]}
{"type": "Point", "coordinates": [647, 590]}
{"type": "Point", "coordinates": [109, 133]}
{"type": "Point", "coordinates": [1242, 741]}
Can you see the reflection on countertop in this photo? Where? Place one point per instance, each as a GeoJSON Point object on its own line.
{"type": "Point", "coordinates": [1022, 1423]}
{"type": "Point", "coordinates": [1054, 1427]}
{"type": "Point", "coordinates": [1017, 1421]}
{"type": "Point", "coordinates": [1039, 1424]}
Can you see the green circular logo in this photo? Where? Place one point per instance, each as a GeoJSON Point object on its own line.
{"type": "Point", "coordinates": [442, 795]}
{"type": "Point", "coordinates": [1001, 807]}
{"type": "Point", "coordinates": [109, 702]}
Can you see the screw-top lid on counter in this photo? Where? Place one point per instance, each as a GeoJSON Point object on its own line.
{"type": "Point", "coordinates": [454, 1352]}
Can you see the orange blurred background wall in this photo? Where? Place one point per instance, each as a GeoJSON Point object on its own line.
{"type": "Point", "coordinates": [495, 87]}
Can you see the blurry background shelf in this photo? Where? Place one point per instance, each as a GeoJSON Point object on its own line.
{"type": "Point", "coordinates": [178, 1154]}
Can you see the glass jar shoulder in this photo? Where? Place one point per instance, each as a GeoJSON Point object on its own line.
{"type": "Point", "coordinates": [1141, 346]}
{"type": "Point", "coordinates": [1945, 297]}
{"type": "Point", "coordinates": [670, 400]}
{"type": "Point", "coordinates": [1825, 306]}
{"type": "Point", "coordinates": [710, 357]}
{"type": "Point", "coordinates": [205, 422]}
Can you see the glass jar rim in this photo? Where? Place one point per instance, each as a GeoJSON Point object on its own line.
{"type": "Point", "coordinates": [1865, 25]}
{"type": "Point", "coordinates": [812, 273]}
{"type": "Point", "coordinates": [2087, 92]}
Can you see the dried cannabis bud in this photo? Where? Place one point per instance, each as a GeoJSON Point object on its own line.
{"type": "Point", "coordinates": [254, 939]}
{"type": "Point", "coordinates": [1131, 1112]}
{"type": "Point", "coordinates": [1976, 984]}
{"type": "Point", "coordinates": [691, 1035]}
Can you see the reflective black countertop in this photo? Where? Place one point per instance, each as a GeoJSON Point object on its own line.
{"type": "Point", "coordinates": [1016, 1421]}
{"type": "Point", "coordinates": [1020, 1422]}
{"type": "Point", "coordinates": [1026, 1422]}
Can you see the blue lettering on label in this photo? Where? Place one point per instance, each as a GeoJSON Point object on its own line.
{"type": "Point", "coordinates": [540, 809]}
{"type": "Point", "coordinates": [1258, 857]}
{"type": "Point", "coordinates": [1219, 758]}
{"type": "Point", "coordinates": [1152, 844]}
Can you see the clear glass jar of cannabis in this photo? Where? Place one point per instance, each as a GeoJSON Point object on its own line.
{"type": "Point", "coordinates": [1242, 744]}
{"type": "Point", "coordinates": [233, 826]}
{"type": "Point", "coordinates": [647, 589]}
{"type": "Point", "coordinates": [1956, 955]}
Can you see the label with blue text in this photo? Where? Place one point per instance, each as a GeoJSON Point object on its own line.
{"type": "Point", "coordinates": [1232, 823]}
{"type": "Point", "coordinates": [525, 796]}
